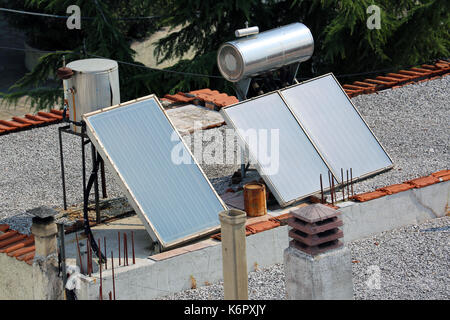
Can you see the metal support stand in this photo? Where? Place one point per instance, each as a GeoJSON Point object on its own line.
{"type": "Point", "coordinates": [97, 162]}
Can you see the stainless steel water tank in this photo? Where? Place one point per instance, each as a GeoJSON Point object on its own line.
{"type": "Point", "coordinates": [94, 85]}
{"type": "Point", "coordinates": [266, 51]}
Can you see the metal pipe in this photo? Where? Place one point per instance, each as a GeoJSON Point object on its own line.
{"type": "Point", "coordinates": [113, 280]}
{"type": "Point", "coordinates": [332, 190]}
{"type": "Point", "coordinates": [63, 177]}
{"type": "Point", "coordinates": [101, 279]}
{"type": "Point", "coordinates": [102, 173]}
{"type": "Point", "coordinates": [106, 257]}
{"type": "Point", "coordinates": [321, 189]}
{"type": "Point", "coordinates": [118, 234]}
{"type": "Point", "coordinates": [125, 249]}
{"type": "Point", "coordinates": [62, 252]}
{"type": "Point", "coordinates": [246, 32]}
{"type": "Point", "coordinates": [348, 186]}
{"type": "Point", "coordinates": [132, 246]}
{"type": "Point", "coordinates": [330, 177]}
{"type": "Point", "coordinates": [88, 262]}
{"type": "Point", "coordinates": [96, 194]}
{"type": "Point", "coordinates": [79, 253]}
{"type": "Point", "coordinates": [351, 180]}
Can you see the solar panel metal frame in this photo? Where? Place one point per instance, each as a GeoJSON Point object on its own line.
{"type": "Point", "coordinates": [360, 116]}
{"type": "Point", "coordinates": [125, 188]}
{"type": "Point", "coordinates": [266, 179]}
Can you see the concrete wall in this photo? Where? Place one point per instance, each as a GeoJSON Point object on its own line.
{"type": "Point", "coordinates": [363, 219]}
{"type": "Point", "coordinates": [16, 279]}
{"type": "Point", "coordinates": [159, 278]}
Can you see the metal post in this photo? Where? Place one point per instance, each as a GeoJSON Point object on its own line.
{"type": "Point", "coordinates": [102, 173]}
{"type": "Point", "coordinates": [234, 257]}
{"type": "Point", "coordinates": [61, 156]}
{"type": "Point", "coordinates": [97, 205]}
{"type": "Point", "coordinates": [62, 252]}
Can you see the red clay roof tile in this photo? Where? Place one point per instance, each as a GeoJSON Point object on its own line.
{"type": "Point", "coordinates": [8, 234]}
{"type": "Point", "coordinates": [369, 196]}
{"type": "Point", "coordinates": [395, 188]}
{"type": "Point", "coordinates": [423, 182]}
{"type": "Point", "coordinates": [11, 240]}
{"type": "Point", "coordinates": [22, 251]}
{"type": "Point", "coordinates": [4, 227]}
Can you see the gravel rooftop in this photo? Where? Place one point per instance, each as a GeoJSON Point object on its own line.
{"type": "Point", "coordinates": [413, 262]}
{"type": "Point", "coordinates": [411, 123]}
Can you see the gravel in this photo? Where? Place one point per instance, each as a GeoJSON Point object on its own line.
{"type": "Point", "coordinates": [413, 262]}
{"type": "Point", "coordinates": [411, 123]}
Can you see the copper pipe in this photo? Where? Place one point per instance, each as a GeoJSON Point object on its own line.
{"type": "Point", "coordinates": [106, 257]}
{"type": "Point", "coordinates": [113, 280]}
{"type": "Point", "coordinates": [79, 254]}
{"type": "Point", "coordinates": [118, 234]}
{"type": "Point", "coordinates": [132, 246]}
{"type": "Point", "coordinates": [101, 279]}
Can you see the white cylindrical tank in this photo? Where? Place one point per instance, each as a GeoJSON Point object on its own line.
{"type": "Point", "coordinates": [265, 51]}
{"type": "Point", "coordinates": [94, 85]}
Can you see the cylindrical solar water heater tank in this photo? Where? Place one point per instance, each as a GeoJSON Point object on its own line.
{"type": "Point", "coordinates": [265, 51]}
{"type": "Point", "coordinates": [94, 85]}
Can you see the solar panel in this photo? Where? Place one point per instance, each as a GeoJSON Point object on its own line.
{"type": "Point", "coordinates": [336, 127]}
{"type": "Point", "coordinates": [176, 202]}
{"type": "Point", "coordinates": [293, 171]}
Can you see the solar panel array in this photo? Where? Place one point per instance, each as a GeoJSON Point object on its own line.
{"type": "Point", "coordinates": [319, 129]}
{"type": "Point", "coordinates": [176, 202]}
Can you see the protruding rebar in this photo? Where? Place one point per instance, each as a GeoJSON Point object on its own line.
{"type": "Point", "coordinates": [101, 278]}
{"type": "Point", "coordinates": [79, 254]}
{"type": "Point", "coordinates": [132, 246]}
{"type": "Point", "coordinates": [113, 279]}
{"type": "Point", "coordinates": [118, 234]}
{"type": "Point", "coordinates": [321, 190]}
{"type": "Point", "coordinates": [351, 180]}
{"type": "Point", "coordinates": [125, 249]}
{"type": "Point", "coordinates": [342, 184]}
{"type": "Point", "coordinates": [106, 257]}
{"type": "Point", "coordinates": [332, 190]}
{"type": "Point", "coordinates": [348, 186]}
{"type": "Point", "coordinates": [110, 295]}
{"type": "Point", "coordinates": [329, 181]}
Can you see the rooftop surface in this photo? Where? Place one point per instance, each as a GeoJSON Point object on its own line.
{"type": "Point", "coordinates": [410, 122]}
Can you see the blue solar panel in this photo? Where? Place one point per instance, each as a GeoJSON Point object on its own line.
{"type": "Point", "coordinates": [175, 201]}
{"type": "Point", "coordinates": [335, 126]}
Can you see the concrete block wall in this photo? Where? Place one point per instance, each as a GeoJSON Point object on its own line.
{"type": "Point", "coordinates": [153, 279]}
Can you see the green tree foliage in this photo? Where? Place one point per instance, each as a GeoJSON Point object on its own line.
{"type": "Point", "coordinates": [412, 32]}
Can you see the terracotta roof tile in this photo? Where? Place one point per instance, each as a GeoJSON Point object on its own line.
{"type": "Point", "coordinates": [395, 188]}
{"type": "Point", "coordinates": [17, 245]}
{"type": "Point", "coordinates": [423, 182]}
{"type": "Point", "coordinates": [369, 196]}
{"type": "Point", "coordinates": [4, 227]}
